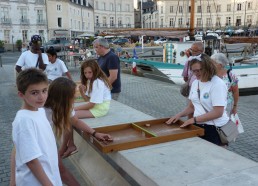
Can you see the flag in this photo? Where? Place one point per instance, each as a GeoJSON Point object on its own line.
{"type": "Point", "coordinates": [134, 69]}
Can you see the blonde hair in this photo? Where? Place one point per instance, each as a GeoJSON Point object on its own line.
{"type": "Point", "coordinates": [97, 74]}
{"type": "Point", "coordinates": [60, 100]}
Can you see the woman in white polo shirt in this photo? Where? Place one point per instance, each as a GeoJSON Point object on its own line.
{"type": "Point", "coordinates": [56, 68]}
{"type": "Point", "coordinates": [208, 99]}
{"type": "Point", "coordinates": [95, 90]}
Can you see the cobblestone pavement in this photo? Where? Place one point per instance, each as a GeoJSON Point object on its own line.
{"type": "Point", "coordinates": [156, 98]}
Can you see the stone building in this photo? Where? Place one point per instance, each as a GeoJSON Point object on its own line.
{"type": "Point", "coordinates": [20, 20]}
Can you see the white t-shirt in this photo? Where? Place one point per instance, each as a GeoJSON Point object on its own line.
{"type": "Point", "coordinates": [29, 59]}
{"type": "Point", "coordinates": [49, 113]}
{"type": "Point", "coordinates": [33, 138]}
{"type": "Point", "coordinates": [212, 93]}
{"type": "Point", "coordinates": [100, 92]}
{"type": "Point", "coordinates": [55, 70]}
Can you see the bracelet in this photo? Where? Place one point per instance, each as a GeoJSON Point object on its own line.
{"type": "Point", "coordinates": [94, 133]}
{"type": "Point", "coordinates": [195, 122]}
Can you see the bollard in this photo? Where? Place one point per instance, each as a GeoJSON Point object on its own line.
{"type": "Point", "coordinates": [1, 63]}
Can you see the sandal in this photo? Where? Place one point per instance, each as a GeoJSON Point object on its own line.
{"type": "Point", "coordinates": [66, 155]}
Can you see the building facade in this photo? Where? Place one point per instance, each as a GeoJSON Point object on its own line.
{"type": "Point", "coordinates": [113, 14]}
{"type": "Point", "coordinates": [70, 18]}
{"type": "Point", "coordinates": [208, 14]}
{"type": "Point", "coordinates": [20, 19]}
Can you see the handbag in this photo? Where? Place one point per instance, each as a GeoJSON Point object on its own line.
{"type": "Point", "coordinates": [227, 132]}
{"type": "Point", "coordinates": [185, 88]}
{"type": "Point", "coordinates": [236, 120]}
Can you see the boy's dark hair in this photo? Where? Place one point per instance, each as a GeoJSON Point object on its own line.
{"type": "Point", "coordinates": [29, 77]}
{"type": "Point", "coordinates": [52, 51]}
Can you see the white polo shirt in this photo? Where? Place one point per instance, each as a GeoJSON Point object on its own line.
{"type": "Point", "coordinates": [56, 69]}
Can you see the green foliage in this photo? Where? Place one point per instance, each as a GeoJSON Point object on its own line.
{"type": "Point", "coordinates": [19, 43]}
{"type": "Point", "coordinates": [1, 44]}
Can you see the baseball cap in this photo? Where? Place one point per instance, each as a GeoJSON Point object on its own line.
{"type": "Point", "coordinates": [35, 38]}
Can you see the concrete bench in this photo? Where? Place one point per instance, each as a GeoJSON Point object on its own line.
{"type": "Point", "coordinates": [191, 161]}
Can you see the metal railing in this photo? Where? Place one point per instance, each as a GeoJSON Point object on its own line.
{"type": "Point", "coordinates": [104, 25]}
{"type": "Point", "coordinates": [6, 20]}
{"type": "Point", "coordinates": [24, 21]}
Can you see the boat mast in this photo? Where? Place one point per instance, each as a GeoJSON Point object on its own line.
{"type": "Point", "coordinates": [192, 20]}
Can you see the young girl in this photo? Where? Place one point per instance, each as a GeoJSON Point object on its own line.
{"type": "Point", "coordinates": [95, 88]}
{"type": "Point", "coordinates": [56, 68]}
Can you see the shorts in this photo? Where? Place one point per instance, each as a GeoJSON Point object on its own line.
{"type": "Point", "coordinates": [100, 109]}
{"type": "Point", "coordinates": [210, 133]}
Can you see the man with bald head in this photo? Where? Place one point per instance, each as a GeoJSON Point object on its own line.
{"type": "Point", "coordinates": [196, 49]}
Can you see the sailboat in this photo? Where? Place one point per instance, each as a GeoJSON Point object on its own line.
{"type": "Point", "coordinates": [171, 68]}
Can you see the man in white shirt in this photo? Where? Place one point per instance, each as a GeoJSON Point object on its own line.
{"type": "Point", "coordinates": [33, 58]}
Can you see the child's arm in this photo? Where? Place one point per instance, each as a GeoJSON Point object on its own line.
{"type": "Point", "coordinates": [12, 177]}
{"type": "Point", "coordinates": [36, 168]}
{"type": "Point", "coordinates": [82, 90]}
{"type": "Point", "coordinates": [69, 75]}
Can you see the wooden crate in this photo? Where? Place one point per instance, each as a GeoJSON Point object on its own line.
{"type": "Point", "coordinates": [131, 135]}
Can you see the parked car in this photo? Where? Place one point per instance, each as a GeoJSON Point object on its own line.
{"type": "Point", "coordinates": [160, 41]}
{"type": "Point", "coordinates": [120, 41]}
{"type": "Point", "coordinates": [58, 45]}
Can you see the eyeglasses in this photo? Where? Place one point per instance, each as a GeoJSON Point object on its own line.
{"type": "Point", "coordinates": [196, 71]}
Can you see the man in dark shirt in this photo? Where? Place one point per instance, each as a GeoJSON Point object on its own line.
{"type": "Point", "coordinates": [109, 63]}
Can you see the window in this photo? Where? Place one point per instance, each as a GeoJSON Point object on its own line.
{"type": "Point", "coordinates": [23, 15]}
{"type": "Point", "coordinates": [104, 21]}
{"type": "Point", "coordinates": [111, 21]}
{"type": "Point", "coordinates": [199, 9]}
{"type": "Point", "coordinates": [180, 21]}
{"type": "Point", "coordinates": [189, 9]}
{"type": "Point", "coordinates": [128, 24]}
{"type": "Point", "coordinates": [83, 25]}
{"type": "Point", "coordinates": [228, 21]}
{"type": "Point", "coordinates": [218, 8]}
{"type": "Point", "coordinates": [24, 36]}
{"type": "Point", "coordinates": [39, 16]}
{"type": "Point", "coordinates": [171, 9]}
{"type": "Point", "coordinates": [199, 22]}
{"type": "Point", "coordinates": [238, 20]}
{"type": "Point", "coordinates": [111, 7]}
{"type": "Point", "coordinates": [161, 9]}
{"type": "Point", "coordinates": [97, 20]}
{"type": "Point", "coordinates": [41, 33]}
{"type": "Point", "coordinates": [229, 8]}
{"type": "Point", "coordinates": [119, 7]}
{"type": "Point", "coordinates": [127, 8]}
{"type": "Point", "coordinates": [120, 22]}
{"type": "Point", "coordinates": [180, 9]}
{"type": "Point", "coordinates": [79, 25]}
{"type": "Point", "coordinates": [58, 8]}
{"type": "Point", "coordinates": [171, 22]}
{"type": "Point", "coordinates": [249, 19]}
{"type": "Point", "coordinates": [5, 15]}
{"type": "Point", "coordinates": [7, 36]}
{"type": "Point", "coordinates": [59, 22]}
{"type": "Point", "coordinates": [208, 22]}
{"type": "Point", "coordinates": [208, 9]}
{"type": "Point", "coordinates": [161, 22]}
{"type": "Point", "coordinates": [239, 6]}
{"type": "Point", "coordinates": [249, 5]}
{"type": "Point", "coordinates": [218, 21]}
{"type": "Point", "coordinates": [97, 5]}
{"type": "Point", "coordinates": [104, 6]}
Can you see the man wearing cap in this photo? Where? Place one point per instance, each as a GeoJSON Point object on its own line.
{"type": "Point", "coordinates": [34, 57]}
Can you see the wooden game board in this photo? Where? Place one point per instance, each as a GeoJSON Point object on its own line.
{"type": "Point", "coordinates": [131, 135]}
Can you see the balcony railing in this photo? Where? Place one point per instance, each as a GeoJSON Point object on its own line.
{"type": "Point", "coordinates": [7, 21]}
{"type": "Point", "coordinates": [24, 21]}
{"type": "Point", "coordinates": [103, 25]}
{"type": "Point", "coordinates": [41, 22]}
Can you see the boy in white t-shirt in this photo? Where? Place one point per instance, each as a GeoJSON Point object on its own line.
{"type": "Point", "coordinates": [36, 156]}
{"type": "Point", "coordinates": [56, 68]}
